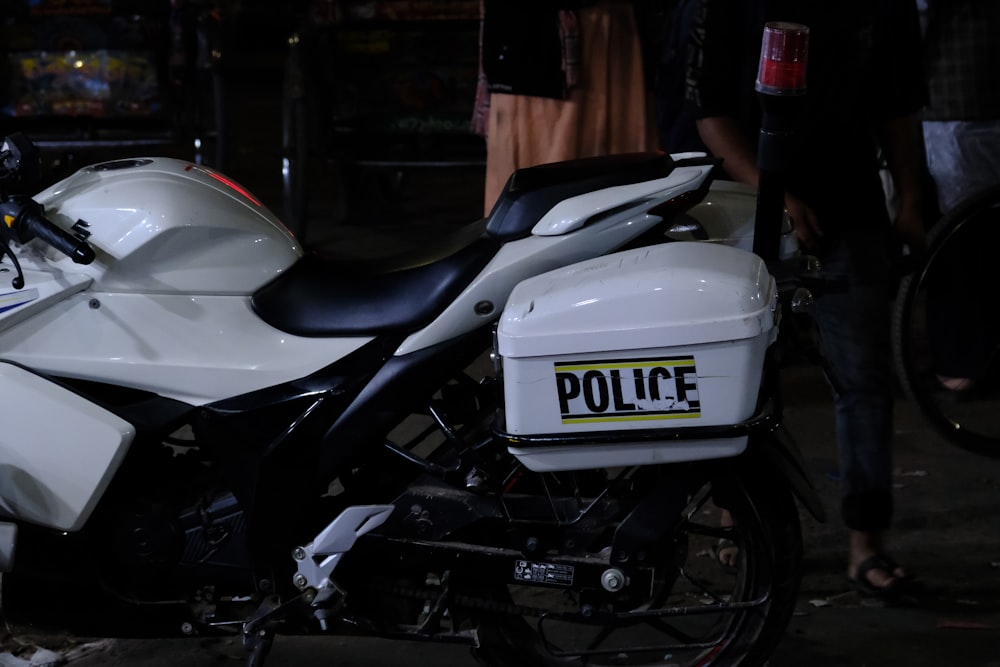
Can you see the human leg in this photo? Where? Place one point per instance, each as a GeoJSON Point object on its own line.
{"type": "Point", "coordinates": [607, 111]}
{"type": "Point", "coordinates": [854, 327]}
{"type": "Point", "coordinates": [726, 552]}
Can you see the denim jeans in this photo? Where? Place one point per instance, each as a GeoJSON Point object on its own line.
{"type": "Point", "coordinates": [854, 327]}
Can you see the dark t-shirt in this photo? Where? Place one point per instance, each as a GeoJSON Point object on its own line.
{"type": "Point", "coordinates": [864, 67]}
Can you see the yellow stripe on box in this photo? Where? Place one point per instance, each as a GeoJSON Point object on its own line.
{"type": "Point", "coordinates": [627, 364]}
{"type": "Point", "coordinates": [598, 420]}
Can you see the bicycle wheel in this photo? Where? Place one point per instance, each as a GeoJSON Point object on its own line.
{"type": "Point", "coordinates": [945, 325]}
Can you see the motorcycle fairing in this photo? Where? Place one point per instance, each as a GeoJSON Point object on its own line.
{"type": "Point", "coordinates": [531, 192]}
{"type": "Point", "coordinates": [44, 288]}
{"type": "Point", "coordinates": [572, 214]}
{"type": "Point", "coordinates": [151, 415]}
{"type": "Point", "coordinates": [192, 349]}
{"type": "Point", "coordinates": [278, 451]}
{"type": "Point", "coordinates": [398, 389]}
{"type": "Point", "coordinates": [281, 446]}
{"type": "Point", "coordinates": [58, 451]}
{"type": "Point", "coordinates": [161, 521]}
{"type": "Point", "coordinates": [265, 444]}
{"type": "Point", "coordinates": [625, 217]}
{"type": "Point", "coordinates": [271, 441]}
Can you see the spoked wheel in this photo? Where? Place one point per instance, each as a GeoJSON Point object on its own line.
{"type": "Point", "coordinates": [945, 325]}
{"type": "Point", "coordinates": [696, 612]}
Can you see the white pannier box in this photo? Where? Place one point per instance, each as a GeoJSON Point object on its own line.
{"type": "Point", "coordinates": [666, 337]}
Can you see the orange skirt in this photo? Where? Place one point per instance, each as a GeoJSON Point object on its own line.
{"type": "Point", "coordinates": [608, 111]}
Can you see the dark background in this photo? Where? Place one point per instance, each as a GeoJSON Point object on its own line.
{"type": "Point", "coordinates": [409, 60]}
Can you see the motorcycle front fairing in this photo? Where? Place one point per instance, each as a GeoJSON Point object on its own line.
{"type": "Point", "coordinates": [58, 450]}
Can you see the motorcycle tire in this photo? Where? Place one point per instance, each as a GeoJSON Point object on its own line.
{"type": "Point", "coordinates": [675, 626]}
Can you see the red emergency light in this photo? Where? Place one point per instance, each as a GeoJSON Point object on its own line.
{"type": "Point", "coordinates": [783, 57]}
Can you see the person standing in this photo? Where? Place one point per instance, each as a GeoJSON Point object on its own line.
{"type": "Point", "coordinates": [561, 79]}
{"type": "Point", "coordinates": [864, 89]}
{"type": "Point", "coordinates": [961, 123]}
{"type": "Point", "coordinates": [961, 127]}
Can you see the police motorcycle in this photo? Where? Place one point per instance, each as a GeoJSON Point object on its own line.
{"type": "Point", "coordinates": [518, 440]}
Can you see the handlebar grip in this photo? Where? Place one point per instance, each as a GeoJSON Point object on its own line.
{"type": "Point", "coordinates": [31, 223]}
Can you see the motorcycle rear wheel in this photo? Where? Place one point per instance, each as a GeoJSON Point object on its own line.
{"type": "Point", "coordinates": [699, 612]}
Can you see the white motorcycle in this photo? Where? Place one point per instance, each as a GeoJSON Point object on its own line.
{"type": "Point", "coordinates": [207, 431]}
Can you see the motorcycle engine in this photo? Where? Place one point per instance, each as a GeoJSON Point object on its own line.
{"type": "Point", "coordinates": [203, 543]}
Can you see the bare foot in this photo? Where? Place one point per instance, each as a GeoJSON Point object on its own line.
{"type": "Point", "coordinates": [956, 384]}
{"type": "Point", "coordinates": [726, 551]}
{"type": "Point", "coordinates": [869, 569]}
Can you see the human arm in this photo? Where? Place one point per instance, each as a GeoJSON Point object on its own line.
{"type": "Point", "coordinates": [723, 139]}
{"type": "Point", "coordinates": [903, 147]}
{"type": "Point", "coordinates": [903, 90]}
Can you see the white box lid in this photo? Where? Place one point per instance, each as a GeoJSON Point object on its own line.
{"type": "Point", "coordinates": [680, 293]}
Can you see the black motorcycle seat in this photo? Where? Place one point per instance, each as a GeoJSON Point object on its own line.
{"type": "Point", "coordinates": [401, 293]}
{"type": "Point", "coordinates": [324, 297]}
{"type": "Point", "coordinates": [531, 192]}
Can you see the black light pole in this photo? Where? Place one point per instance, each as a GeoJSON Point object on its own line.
{"type": "Point", "coordinates": [781, 85]}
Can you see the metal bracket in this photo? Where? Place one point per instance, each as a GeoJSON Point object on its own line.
{"type": "Point", "coordinates": [318, 559]}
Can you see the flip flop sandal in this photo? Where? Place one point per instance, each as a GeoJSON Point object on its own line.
{"type": "Point", "coordinates": [899, 584]}
{"type": "Point", "coordinates": [907, 581]}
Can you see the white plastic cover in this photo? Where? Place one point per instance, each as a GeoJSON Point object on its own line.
{"type": "Point", "coordinates": [675, 294]}
{"type": "Point", "coordinates": [668, 337]}
{"type": "Point", "coordinates": [169, 226]}
{"type": "Point", "coordinates": [58, 451]}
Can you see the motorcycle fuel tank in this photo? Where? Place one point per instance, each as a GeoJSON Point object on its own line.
{"type": "Point", "coordinates": [164, 226]}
